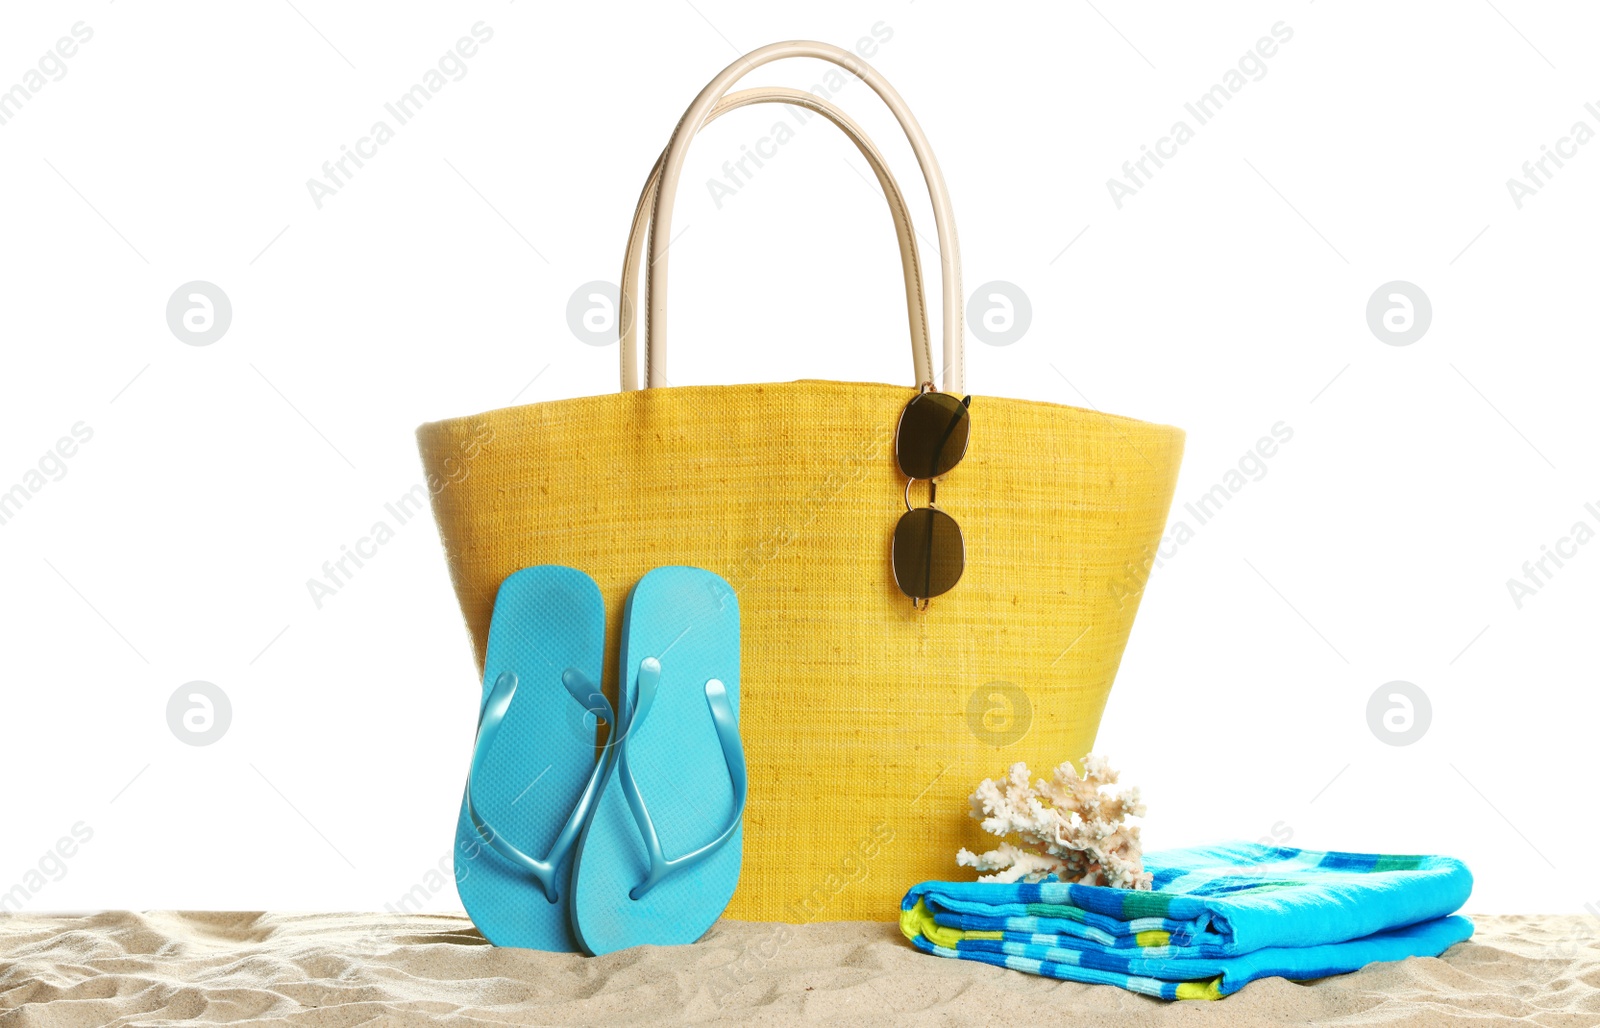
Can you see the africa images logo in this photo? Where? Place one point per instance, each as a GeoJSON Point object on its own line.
{"type": "Point", "coordinates": [1252, 67]}
{"type": "Point", "coordinates": [452, 67]}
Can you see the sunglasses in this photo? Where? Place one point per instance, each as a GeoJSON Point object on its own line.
{"type": "Point", "coordinates": [928, 554]}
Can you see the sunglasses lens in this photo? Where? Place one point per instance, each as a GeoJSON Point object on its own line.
{"type": "Point", "coordinates": [929, 554]}
{"type": "Point", "coordinates": [933, 435]}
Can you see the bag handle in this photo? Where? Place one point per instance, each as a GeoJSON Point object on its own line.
{"type": "Point", "coordinates": [916, 303]}
{"type": "Point", "coordinates": [678, 151]}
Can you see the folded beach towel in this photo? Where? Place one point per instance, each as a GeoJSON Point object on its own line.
{"type": "Point", "coordinates": [1217, 917]}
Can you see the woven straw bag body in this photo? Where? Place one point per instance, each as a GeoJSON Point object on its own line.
{"type": "Point", "coordinates": [866, 722]}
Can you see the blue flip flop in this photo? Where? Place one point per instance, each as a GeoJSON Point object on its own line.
{"type": "Point", "coordinates": [534, 773]}
{"type": "Point", "coordinates": [674, 777]}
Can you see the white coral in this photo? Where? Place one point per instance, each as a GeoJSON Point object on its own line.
{"type": "Point", "coordinates": [1067, 826]}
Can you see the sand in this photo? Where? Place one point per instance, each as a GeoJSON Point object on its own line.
{"type": "Point", "coordinates": [120, 968]}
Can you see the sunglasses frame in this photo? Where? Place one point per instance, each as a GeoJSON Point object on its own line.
{"type": "Point", "coordinates": [933, 493]}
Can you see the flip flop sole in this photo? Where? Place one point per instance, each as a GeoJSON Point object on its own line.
{"type": "Point", "coordinates": [546, 619]}
{"type": "Point", "coordinates": [688, 619]}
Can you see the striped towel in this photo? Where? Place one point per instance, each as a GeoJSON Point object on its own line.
{"type": "Point", "coordinates": [1217, 918]}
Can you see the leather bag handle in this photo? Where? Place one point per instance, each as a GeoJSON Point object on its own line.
{"type": "Point", "coordinates": [656, 272]}
{"type": "Point", "coordinates": [916, 302]}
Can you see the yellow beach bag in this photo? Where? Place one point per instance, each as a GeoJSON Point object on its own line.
{"type": "Point", "coordinates": [866, 720]}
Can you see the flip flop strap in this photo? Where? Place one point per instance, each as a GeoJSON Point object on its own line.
{"type": "Point", "coordinates": [589, 696]}
{"type": "Point", "coordinates": [727, 728]}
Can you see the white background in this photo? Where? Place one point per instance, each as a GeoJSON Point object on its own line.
{"type": "Point", "coordinates": [1227, 295]}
